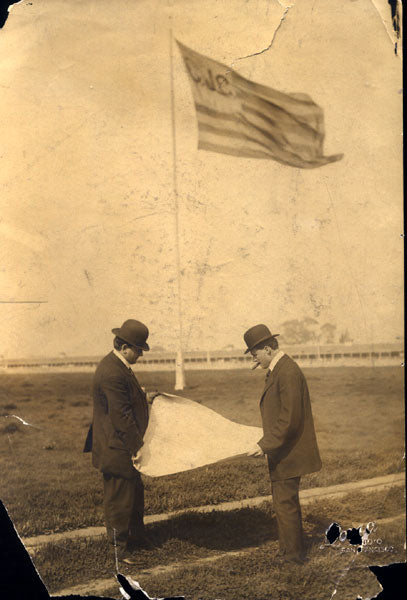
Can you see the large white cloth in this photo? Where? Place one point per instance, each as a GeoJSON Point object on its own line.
{"type": "Point", "coordinates": [183, 435]}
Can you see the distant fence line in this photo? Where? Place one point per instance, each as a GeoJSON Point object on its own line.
{"type": "Point", "coordinates": [306, 356]}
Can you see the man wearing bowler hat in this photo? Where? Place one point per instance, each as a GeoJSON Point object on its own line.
{"type": "Point", "coordinates": [120, 418]}
{"type": "Point", "coordinates": [289, 440]}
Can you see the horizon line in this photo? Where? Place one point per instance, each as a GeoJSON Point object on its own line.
{"type": "Point", "coordinates": [64, 356]}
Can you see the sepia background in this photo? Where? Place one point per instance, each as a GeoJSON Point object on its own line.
{"type": "Point", "coordinates": [87, 221]}
{"type": "Point", "coordinates": [88, 239]}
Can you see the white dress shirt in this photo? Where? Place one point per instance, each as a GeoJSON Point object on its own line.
{"type": "Point", "coordinates": [275, 360]}
{"type": "Point", "coordinates": [124, 361]}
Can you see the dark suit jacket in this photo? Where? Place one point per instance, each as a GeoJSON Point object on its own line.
{"type": "Point", "coordinates": [289, 436]}
{"type": "Point", "coordinates": [120, 418]}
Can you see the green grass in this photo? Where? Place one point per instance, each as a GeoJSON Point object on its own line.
{"type": "Point", "coordinates": [48, 484]}
{"type": "Point", "coordinates": [192, 536]}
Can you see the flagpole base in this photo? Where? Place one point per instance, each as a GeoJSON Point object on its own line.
{"type": "Point", "coordinates": [179, 372]}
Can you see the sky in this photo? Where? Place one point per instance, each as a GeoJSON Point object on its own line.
{"type": "Point", "coordinates": [87, 220]}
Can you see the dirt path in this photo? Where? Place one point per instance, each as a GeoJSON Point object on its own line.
{"type": "Point", "coordinates": [306, 496]}
{"type": "Point", "coordinates": [100, 586]}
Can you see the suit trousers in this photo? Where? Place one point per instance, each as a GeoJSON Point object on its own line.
{"type": "Point", "coordinates": [124, 509]}
{"type": "Point", "coordinates": [286, 504]}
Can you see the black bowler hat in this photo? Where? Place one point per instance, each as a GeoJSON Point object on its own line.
{"type": "Point", "coordinates": [257, 334]}
{"type": "Point", "coordinates": [134, 333]}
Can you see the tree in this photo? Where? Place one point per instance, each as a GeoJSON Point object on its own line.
{"type": "Point", "coordinates": [308, 330]}
{"type": "Point", "coordinates": [345, 338]}
{"type": "Point", "coordinates": [328, 333]}
{"type": "Point", "coordinates": [228, 347]}
{"type": "Point", "coordinates": [298, 331]}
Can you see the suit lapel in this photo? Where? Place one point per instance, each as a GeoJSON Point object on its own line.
{"type": "Point", "coordinates": [132, 377]}
{"type": "Point", "coordinates": [271, 378]}
{"type": "Point", "coordinates": [119, 362]}
{"type": "Point", "coordinates": [126, 370]}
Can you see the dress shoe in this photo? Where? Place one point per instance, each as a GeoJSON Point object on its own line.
{"type": "Point", "coordinates": [146, 544]}
{"type": "Point", "coordinates": [140, 543]}
{"type": "Point", "coordinates": [129, 559]}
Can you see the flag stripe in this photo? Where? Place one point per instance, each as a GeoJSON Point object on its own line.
{"type": "Point", "coordinates": [247, 152]}
{"type": "Point", "coordinates": [242, 118]}
{"type": "Point", "coordinates": [311, 119]}
{"type": "Point", "coordinates": [271, 121]}
{"type": "Point", "coordinates": [266, 133]}
{"type": "Point", "coordinates": [286, 133]}
{"type": "Point", "coordinates": [212, 112]}
{"type": "Point", "coordinates": [244, 153]}
{"type": "Point", "coordinates": [235, 138]}
{"type": "Point", "coordinates": [282, 144]}
{"type": "Point", "coordinates": [230, 133]}
{"type": "Point", "coordinates": [207, 141]}
{"type": "Point", "coordinates": [276, 147]}
{"type": "Point", "coordinates": [277, 131]}
{"type": "Point", "coordinates": [294, 101]}
{"type": "Point", "coordinates": [215, 135]}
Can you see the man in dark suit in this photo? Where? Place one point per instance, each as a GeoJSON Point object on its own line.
{"type": "Point", "coordinates": [120, 418]}
{"type": "Point", "coordinates": [289, 440]}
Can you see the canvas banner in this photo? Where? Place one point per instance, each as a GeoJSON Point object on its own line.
{"type": "Point", "coordinates": [184, 435]}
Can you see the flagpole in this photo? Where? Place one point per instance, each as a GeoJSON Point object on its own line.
{"type": "Point", "coordinates": [179, 361]}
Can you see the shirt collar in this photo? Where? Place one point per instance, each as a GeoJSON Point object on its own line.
{"type": "Point", "coordinates": [124, 361]}
{"type": "Point", "coordinates": [275, 360]}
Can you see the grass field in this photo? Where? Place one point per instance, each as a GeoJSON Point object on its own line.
{"type": "Point", "coordinates": [48, 485]}
{"type": "Point", "coordinates": [255, 576]}
{"type": "Point", "coordinates": [253, 573]}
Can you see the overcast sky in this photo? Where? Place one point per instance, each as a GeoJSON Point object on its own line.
{"type": "Point", "coordinates": [87, 221]}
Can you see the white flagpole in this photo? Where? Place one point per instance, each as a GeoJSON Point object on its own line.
{"type": "Point", "coordinates": [179, 362]}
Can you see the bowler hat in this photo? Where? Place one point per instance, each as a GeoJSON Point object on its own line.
{"type": "Point", "coordinates": [257, 334]}
{"type": "Point", "coordinates": [134, 332]}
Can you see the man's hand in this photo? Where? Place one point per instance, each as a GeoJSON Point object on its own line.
{"type": "Point", "coordinates": [136, 459]}
{"type": "Point", "coordinates": [255, 451]}
{"type": "Point", "coordinates": [151, 395]}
